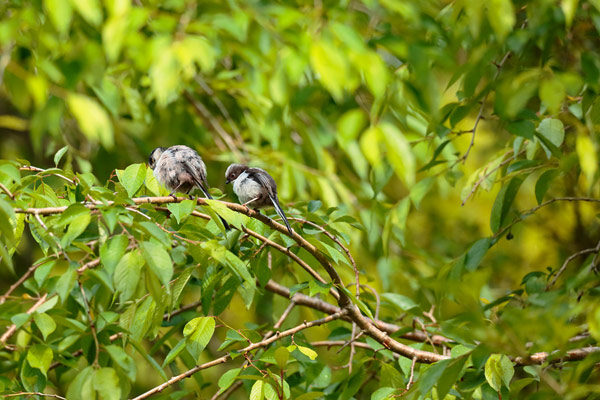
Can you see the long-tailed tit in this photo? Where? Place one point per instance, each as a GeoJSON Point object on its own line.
{"type": "Point", "coordinates": [179, 168]}
{"type": "Point", "coordinates": [255, 187]}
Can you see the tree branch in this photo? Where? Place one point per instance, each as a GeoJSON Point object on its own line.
{"type": "Point", "coordinates": [13, 328]}
{"type": "Point", "coordinates": [253, 346]}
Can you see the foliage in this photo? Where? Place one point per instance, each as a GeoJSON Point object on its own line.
{"type": "Point", "coordinates": [378, 120]}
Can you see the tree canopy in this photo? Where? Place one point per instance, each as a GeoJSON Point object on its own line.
{"type": "Point", "coordinates": [438, 161]}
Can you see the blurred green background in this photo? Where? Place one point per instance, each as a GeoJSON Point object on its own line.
{"type": "Point", "coordinates": [368, 106]}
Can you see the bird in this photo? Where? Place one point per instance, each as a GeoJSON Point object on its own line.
{"type": "Point", "coordinates": [256, 187]}
{"type": "Point", "coordinates": [180, 168]}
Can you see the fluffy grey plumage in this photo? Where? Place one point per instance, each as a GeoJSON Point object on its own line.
{"type": "Point", "coordinates": [179, 168]}
{"type": "Point", "coordinates": [254, 187]}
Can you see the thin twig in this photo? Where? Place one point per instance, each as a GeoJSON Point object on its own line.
{"type": "Point", "coordinates": [523, 214]}
{"type": "Point", "coordinates": [253, 346]}
{"type": "Point", "coordinates": [32, 394]}
{"type": "Point", "coordinates": [92, 323]}
{"type": "Point", "coordinates": [412, 374]}
{"type": "Point", "coordinates": [486, 175]}
{"type": "Point", "coordinates": [8, 192]}
{"type": "Point", "coordinates": [36, 169]}
{"type": "Point", "coordinates": [13, 328]}
{"type": "Point", "coordinates": [267, 335]}
{"type": "Point", "coordinates": [480, 114]}
{"type": "Point", "coordinates": [568, 260]}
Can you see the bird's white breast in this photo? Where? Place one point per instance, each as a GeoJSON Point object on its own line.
{"type": "Point", "coordinates": [245, 188]}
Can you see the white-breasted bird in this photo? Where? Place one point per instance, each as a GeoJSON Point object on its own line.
{"type": "Point", "coordinates": [254, 187]}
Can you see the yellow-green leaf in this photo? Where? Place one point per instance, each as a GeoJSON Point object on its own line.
{"type": "Point", "coordinates": [93, 120]}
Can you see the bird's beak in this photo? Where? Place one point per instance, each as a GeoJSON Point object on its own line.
{"type": "Point", "coordinates": [227, 181]}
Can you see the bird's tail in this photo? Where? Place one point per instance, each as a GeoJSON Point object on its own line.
{"type": "Point", "coordinates": [280, 212]}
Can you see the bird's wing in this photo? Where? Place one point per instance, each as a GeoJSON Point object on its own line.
{"type": "Point", "coordinates": [267, 181]}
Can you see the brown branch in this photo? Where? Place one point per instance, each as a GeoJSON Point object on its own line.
{"type": "Point", "coordinates": [335, 343]}
{"type": "Point", "coordinates": [32, 394]}
{"type": "Point", "coordinates": [293, 256]}
{"type": "Point", "coordinates": [526, 213]}
{"type": "Point", "coordinates": [339, 243]}
{"type": "Point", "coordinates": [487, 174]}
{"type": "Point", "coordinates": [13, 328]}
{"type": "Point", "coordinates": [344, 301]}
{"type": "Point", "coordinates": [8, 192]}
{"type": "Point", "coordinates": [323, 306]}
{"type": "Point", "coordinates": [480, 114]}
{"type": "Point", "coordinates": [568, 260]}
{"type": "Point", "coordinates": [253, 346]}
{"type": "Point", "coordinates": [36, 169]}
{"type": "Point", "coordinates": [267, 335]}
{"type": "Point", "coordinates": [571, 355]}
{"type": "Point", "coordinates": [412, 374]}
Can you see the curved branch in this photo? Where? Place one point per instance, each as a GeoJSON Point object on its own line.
{"type": "Point", "coordinates": [253, 346]}
{"type": "Point", "coordinates": [344, 301]}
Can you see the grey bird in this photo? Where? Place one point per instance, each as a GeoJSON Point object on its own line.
{"type": "Point", "coordinates": [180, 169]}
{"type": "Point", "coordinates": [255, 187]}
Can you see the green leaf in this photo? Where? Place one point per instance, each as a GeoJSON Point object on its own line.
{"type": "Point", "coordinates": [390, 376]}
{"type": "Point", "coordinates": [227, 379]}
{"type": "Point", "coordinates": [551, 133]}
{"type": "Point", "coordinates": [569, 8]}
{"type": "Point", "coordinates": [543, 183]}
{"type": "Point", "coordinates": [198, 333]}
{"type": "Point", "coordinates": [112, 252]}
{"type": "Point", "coordinates": [234, 218]}
{"type": "Point", "coordinates": [450, 375]}
{"type": "Point", "coordinates": [498, 369]}
{"type": "Point", "coordinates": [59, 154]}
{"type": "Point", "coordinates": [349, 125]}
{"type": "Point", "coordinates": [552, 93]}
{"type": "Point", "coordinates": [40, 356]}
{"type": "Point", "coordinates": [106, 383]}
{"type": "Point", "coordinates": [419, 190]}
{"type": "Point", "coordinates": [256, 393]}
{"type": "Point", "coordinates": [501, 16]}
{"type": "Point", "coordinates": [310, 353]}
{"type": "Point", "coordinates": [228, 259]}
{"type": "Point", "coordinates": [503, 202]}
{"type": "Point", "coordinates": [282, 356]}
{"type": "Point", "coordinates": [476, 253]}
{"type": "Point", "coordinates": [431, 376]}
{"type": "Point", "coordinates": [65, 283]}
{"type": "Point", "coordinates": [82, 387]}
{"type": "Point", "coordinates": [127, 274]}
{"type": "Point", "coordinates": [45, 324]}
{"type": "Point", "coordinates": [7, 222]}
{"type": "Point", "coordinates": [174, 352]}
{"type": "Point", "coordinates": [331, 67]}
{"type": "Point", "coordinates": [159, 261]}
{"type": "Point", "coordinates": [524, 128]}
{"type": "Point", "coordinates": [76, 228]}
{"type": "Point", "coordinates": [60, 13]}
{"type": "Point", "coordinates": [383, 393]}
{"type": "Point", "coordinates": [402, 302]}
{"type": "Point", "coordinates": [314, 205]}
{"type": "Point", "coordinates": [123, 360]}
{"type": "Point", "coordinates": [93, 120]}
{"type": "Point", "coordinates": [132, 178]}
{"type": "Point", "coordinates": [181, 210]}
{"type": "Point", "coordinates": [588, 157]}
{"type": "Point", "coordinates": [399, 153]}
